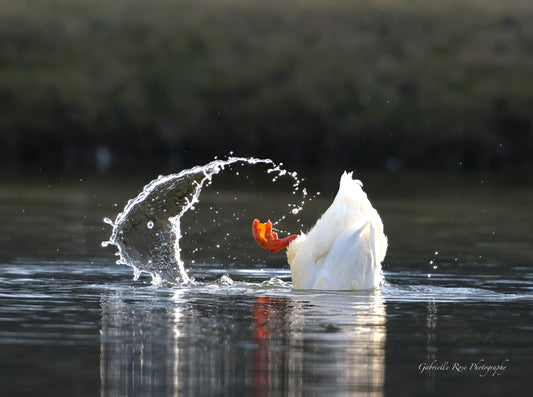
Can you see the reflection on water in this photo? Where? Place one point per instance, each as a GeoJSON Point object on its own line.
{"type": "Point", "coordinates": [431, 330]}
{"type": "Point", "coordinates": [206, 343]}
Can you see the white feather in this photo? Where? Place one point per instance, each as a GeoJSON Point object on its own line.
{"type": "Point", "coordinates": [345, 248]}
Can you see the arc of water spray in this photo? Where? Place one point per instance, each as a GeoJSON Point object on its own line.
{"type": "Point", "coordinates": [147, 232]}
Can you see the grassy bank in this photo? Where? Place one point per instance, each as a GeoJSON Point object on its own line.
{"type": "Point", "coordinates": [419, 84]}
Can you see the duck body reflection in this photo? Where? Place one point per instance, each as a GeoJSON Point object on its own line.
{"type": "Point", "coordinates": [231, 341]}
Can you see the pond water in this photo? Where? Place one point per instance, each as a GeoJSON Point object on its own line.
{"type": "Point", "coordinates": [454, 317]}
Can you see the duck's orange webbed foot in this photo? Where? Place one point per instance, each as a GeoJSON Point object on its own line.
{"type": "Point", "coordinates": [268, 239]}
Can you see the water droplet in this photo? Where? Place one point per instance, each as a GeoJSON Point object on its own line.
{"type": "Point", "coordinates": [226, 280]}
{"type": "Point", "coordinates": [150, 225]}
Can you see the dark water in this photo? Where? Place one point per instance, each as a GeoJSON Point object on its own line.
{"type": "Point", "coordinates": [72, 322]}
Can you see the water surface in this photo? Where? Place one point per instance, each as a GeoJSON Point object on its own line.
{"type": "Point", "coordinates": [459, 291]}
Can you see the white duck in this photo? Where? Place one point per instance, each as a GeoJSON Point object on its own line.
{"type": "Point", "coordinates": [343, 251]}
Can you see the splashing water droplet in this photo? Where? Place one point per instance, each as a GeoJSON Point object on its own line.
{"type": "Point", "coordinates": [225, 280]}
{"type": "Point", "coordinates": [136, 273]}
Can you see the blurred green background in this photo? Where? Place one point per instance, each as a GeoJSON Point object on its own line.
{"type": "Point", "coordinates": [377, 84]}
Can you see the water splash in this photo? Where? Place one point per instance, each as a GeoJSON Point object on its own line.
{"type": "Point", "coordinates": [147, 232]}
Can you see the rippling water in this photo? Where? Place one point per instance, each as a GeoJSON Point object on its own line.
{"type": "Point", "coordinates": [458, 296]}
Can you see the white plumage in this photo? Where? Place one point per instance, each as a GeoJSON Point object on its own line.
{"type": "Point", "coordinates": [345, 248]}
